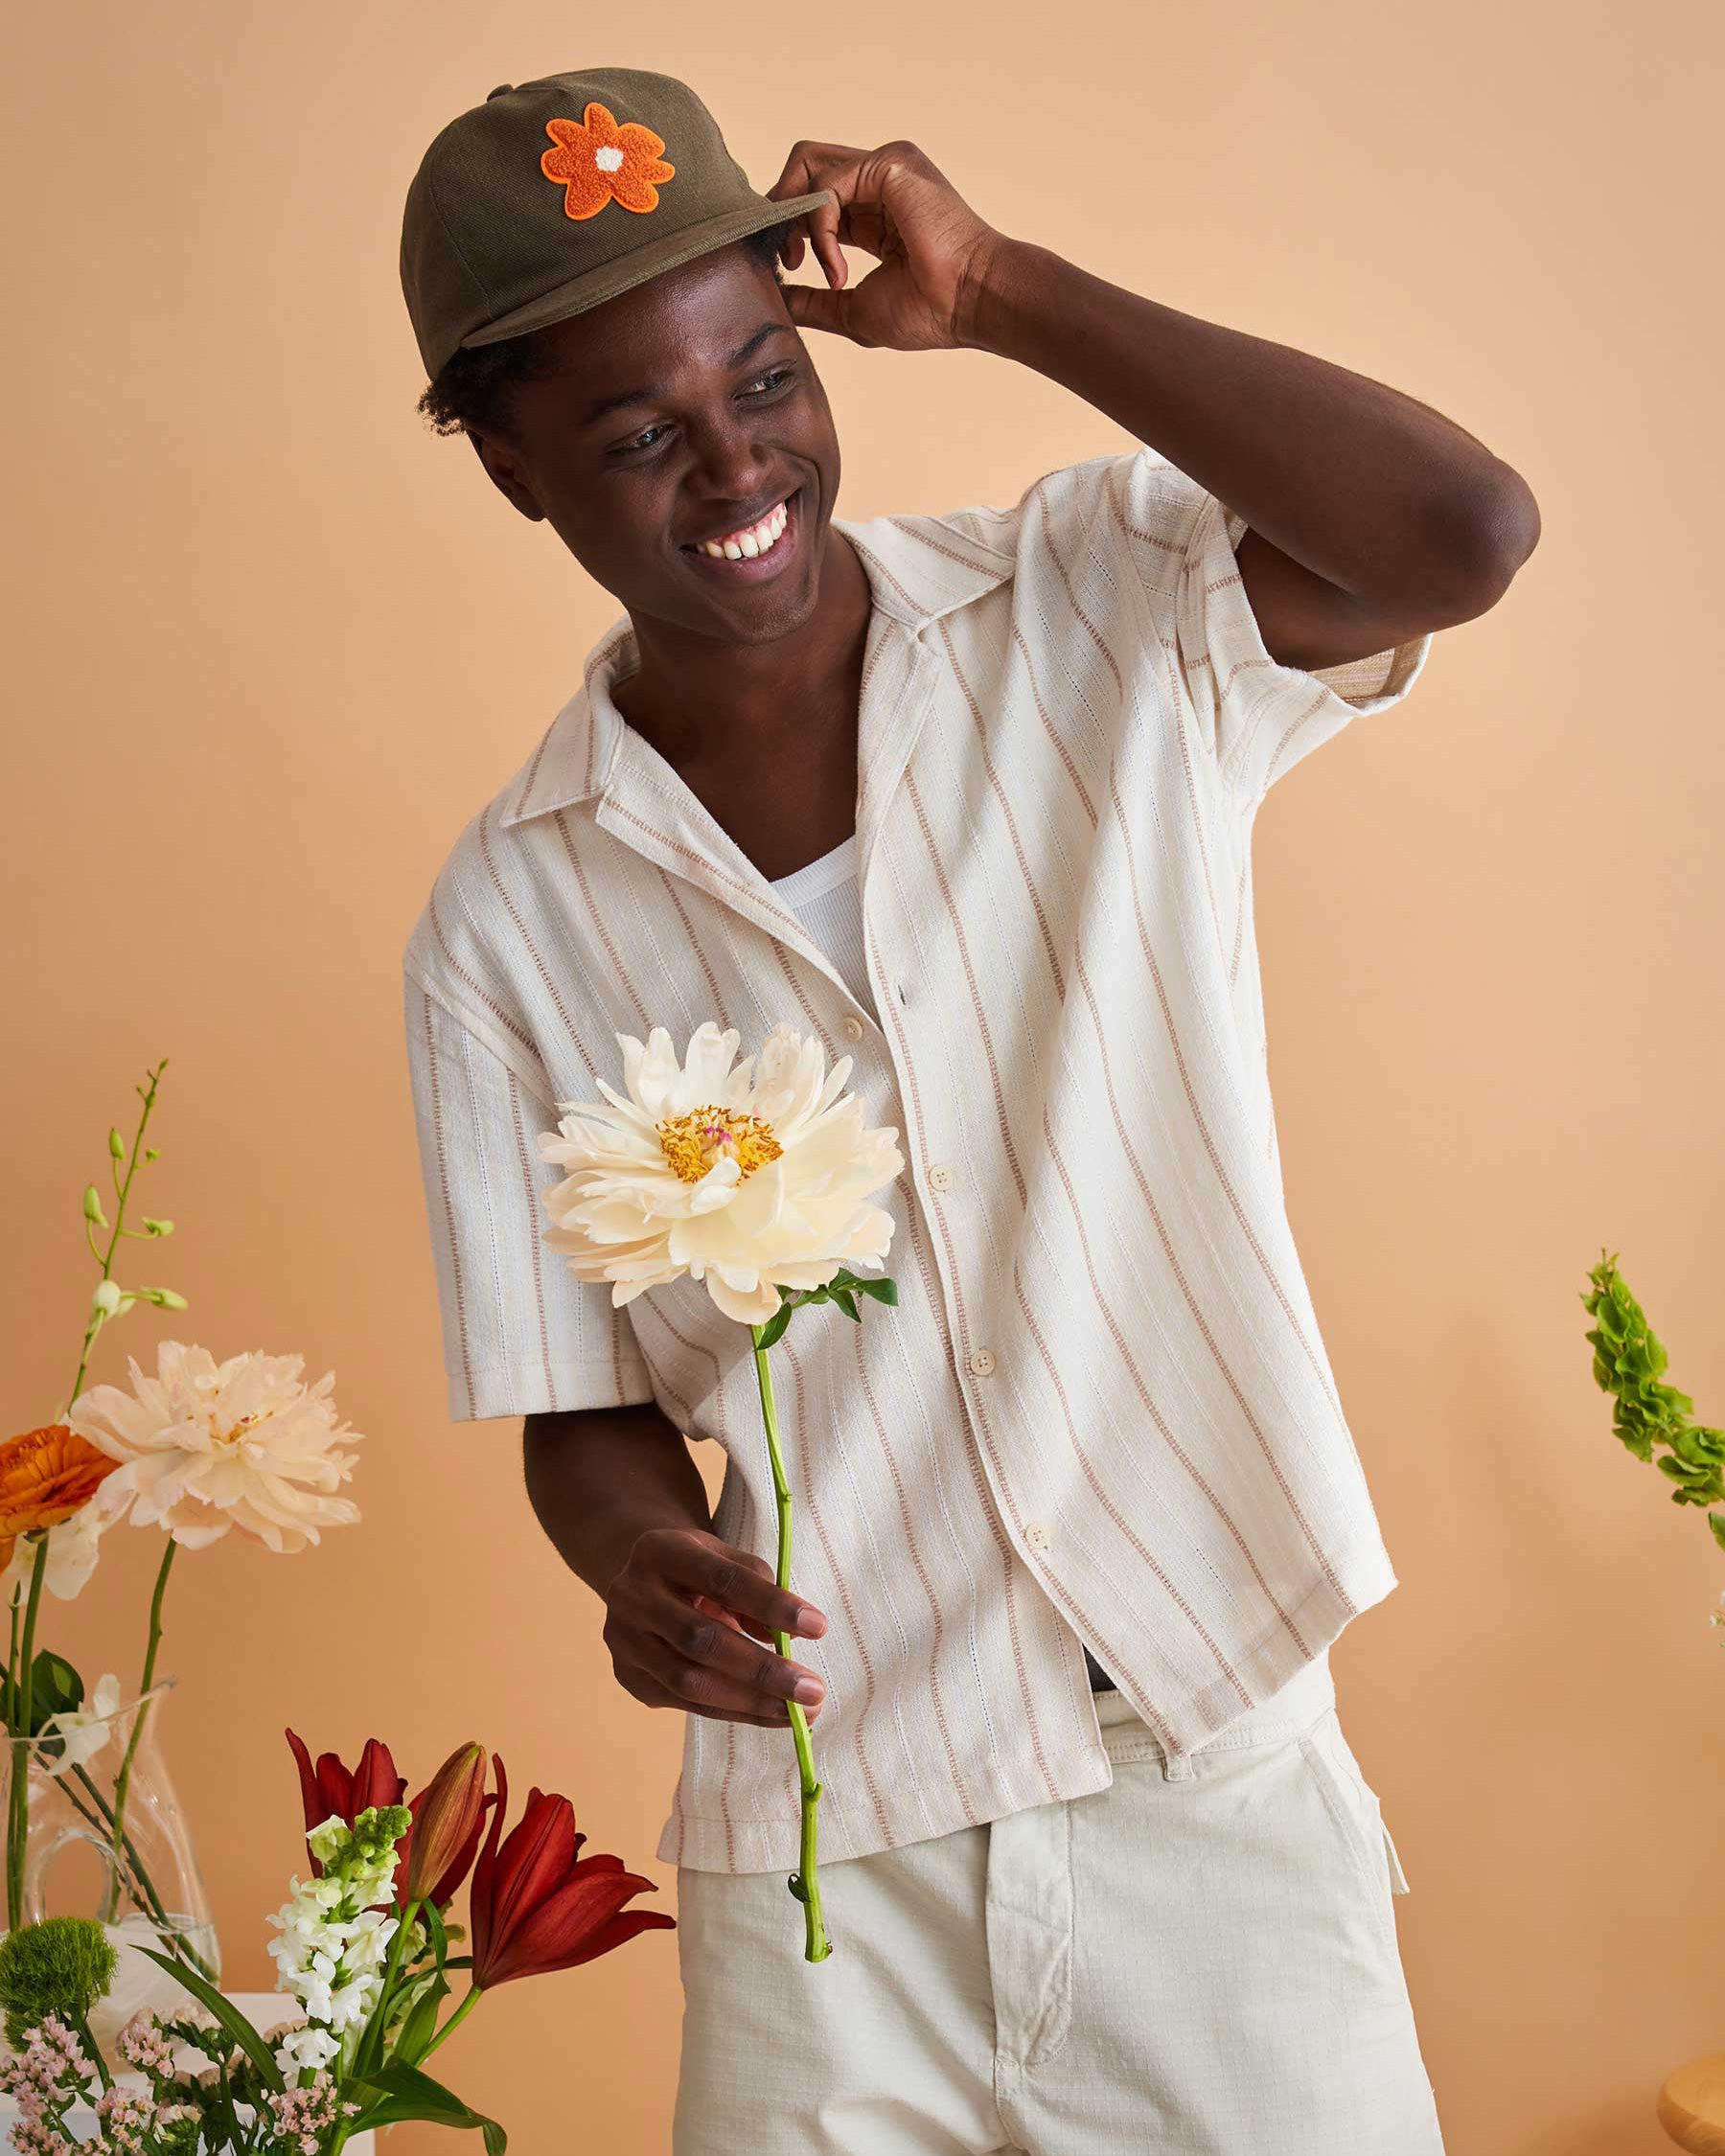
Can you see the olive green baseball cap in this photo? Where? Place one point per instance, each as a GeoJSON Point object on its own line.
{"type": "Point", "coordinates": [557, 193]}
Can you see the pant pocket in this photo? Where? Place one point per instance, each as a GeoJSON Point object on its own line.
{"type": "Point", "coordinates": [1399, 1878]}
{"type": "Point", "coordinates": [1352, 1804]}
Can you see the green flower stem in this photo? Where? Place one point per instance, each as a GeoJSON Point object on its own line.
{"type": "Point", "coordinates": [392, 1967]}
{"type": "Point", "coordinates": [18, 1824]}
{"type": "Point", "coordinates": [453, 2023]}
{"type": "Point", "coordinates": [80, 2028]}
{"type": "Point", "coordinates": [805, 1883]}
{"type": "Point", "coordinates": [142, 1890]}
{"type": "Point", "coordinates": [123, 1782]}
{"type": "Point", "coordinates": [13, 1911]}
{"type": "Point", "coordinates": [121, 1190]}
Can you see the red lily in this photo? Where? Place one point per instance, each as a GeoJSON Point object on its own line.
{"type": "Point", "coordinates": [536, 1907]}
{"type": "Point", "coordinates": [331, 1789]}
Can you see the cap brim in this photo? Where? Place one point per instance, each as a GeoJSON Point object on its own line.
{"type": "Point", "coordinates": [642, 263]}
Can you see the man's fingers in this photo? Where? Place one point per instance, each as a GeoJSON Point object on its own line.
{"type": "Point", "coordinates": [811, 308]}
{"type": "Point", "coordinates": [738, 1581]}
{"type": "Point", "coordinates": [810, 167]}
{"type": "Point", "coordinates": [683, 1634]}
{"type": "Point", "coordinates": [751, 1625]}
{"type": "Point", "coordinates": [652, 1692]}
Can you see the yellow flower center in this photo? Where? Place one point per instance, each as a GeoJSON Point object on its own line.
{"type": "Point", "coordinates": [696, 1139]}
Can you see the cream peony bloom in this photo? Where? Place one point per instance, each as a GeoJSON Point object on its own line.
{"type": "Point", "coordinates": [747, 1179]}
{"type": "Point", "coordinates": [205, 1446]}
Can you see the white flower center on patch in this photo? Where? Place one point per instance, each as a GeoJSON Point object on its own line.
{"type": "Point", "coordinates": [695, 1141]}
{"type": "Point", "coordinates": [608, 158]}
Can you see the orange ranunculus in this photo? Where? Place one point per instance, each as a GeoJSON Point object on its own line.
{"type": "Point", "coordinates": [45, 1477]}
{"type": "Point", "coordinates": [597, 162]}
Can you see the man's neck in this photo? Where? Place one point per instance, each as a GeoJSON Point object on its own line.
{"type": "Point", "coordinates": [764, 735]}
{"type": "Point", "coordinates": [699, 702]}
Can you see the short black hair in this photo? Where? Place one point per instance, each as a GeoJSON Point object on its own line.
{"type": "Point", "coordinates": [472, 386]}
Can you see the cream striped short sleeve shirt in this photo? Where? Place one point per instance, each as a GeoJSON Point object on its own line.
{"type": "Point", "coordinates": [1101, 1412]}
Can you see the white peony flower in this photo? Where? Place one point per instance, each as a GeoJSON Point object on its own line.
{"type": "Point", "coordinates": [205, 1446]}
{"type": "Point", "coordinates": [84, 1731]}
{"type": "Point", "coordinates": [747, 1179]}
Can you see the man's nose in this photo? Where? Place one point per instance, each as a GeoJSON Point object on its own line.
{"type": "Point", "coordinates": [730, 460]}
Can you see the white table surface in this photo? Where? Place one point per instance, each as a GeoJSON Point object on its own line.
{"type": "Point", "coordinates": [263, 2009]}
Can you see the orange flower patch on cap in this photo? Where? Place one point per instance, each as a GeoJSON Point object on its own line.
{"type": "Point", "coordinates": [597, 162]}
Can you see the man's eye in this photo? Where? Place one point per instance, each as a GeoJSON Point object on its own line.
{"type": "Point", "coordinates": [762, 385]}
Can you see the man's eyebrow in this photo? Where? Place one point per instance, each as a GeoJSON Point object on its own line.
{"type": "Point", "coordinates": [647, 395]}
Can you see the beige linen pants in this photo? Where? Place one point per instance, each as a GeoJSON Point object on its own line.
{"type": "Point", "coordinates": [1200, 1959]}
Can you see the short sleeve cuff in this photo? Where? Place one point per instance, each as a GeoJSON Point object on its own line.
{"type": "Point", "coordinates": [539, 1388]}
{"type": "Point", "coordinates": [1268, 716]}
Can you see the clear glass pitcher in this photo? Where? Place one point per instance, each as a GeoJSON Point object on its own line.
{"type": "Point", "coordinates": [106, 1838]}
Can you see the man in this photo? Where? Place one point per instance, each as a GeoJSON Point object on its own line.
{"type": "Point", "coordinates": [970, 797]}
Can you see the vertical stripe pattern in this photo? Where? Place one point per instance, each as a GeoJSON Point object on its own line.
{"type": "Point", "coordinates": [1101, 1412]}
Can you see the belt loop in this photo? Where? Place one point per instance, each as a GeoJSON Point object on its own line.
{"type": "Point", "coordinates": [1176, 1766]}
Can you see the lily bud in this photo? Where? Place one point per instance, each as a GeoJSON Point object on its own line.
{"type": "Point", "coordinates": [107, 1298]}
{"type": "Point", "coordinates": [447, 1817]}
{"type": "Point", "coordinates": [116, 1145]}
{"type": "Point", "coordinates": [157, 1226]}
{"type": "Point", "coordinates": [164, 1298]}
{"type": "Point", "coordinates": [92, 1208]}
{"type": "Point", "coordinates": [152, 1153]}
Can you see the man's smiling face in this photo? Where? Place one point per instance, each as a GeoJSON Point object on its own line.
{"type": "Point", "coordinates": [683, 411]}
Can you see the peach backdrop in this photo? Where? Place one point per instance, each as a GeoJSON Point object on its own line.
{"type": "Point", "coordinates": [274, 642]}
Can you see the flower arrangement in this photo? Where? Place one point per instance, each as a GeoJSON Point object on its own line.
{"type": "Point", "coordinates": [200, 1449]}
{"type": "Point", "coordinates": [755, 1181]}
{"type": "Point", "coordinates": [363, 1945]}
{"type": "Point", "coordinates": [1629, 1365]}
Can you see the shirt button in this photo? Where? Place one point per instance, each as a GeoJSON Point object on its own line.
{"type": "Point", "coordinates": [940, 1176]}
{"type": "Point", "coordinates": [982, 1360]}
{"type": "Point", "coordinates": [853, 1027]}
{"type": "Point", "coordinates": [1036, 1534]}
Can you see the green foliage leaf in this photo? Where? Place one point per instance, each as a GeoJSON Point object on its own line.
{"type": "Point", "coordinates": [244, 2035]}
{"type": "Point", "coordinates": [1629, 1363]}
{"type": "Point", "coordinates": [54, 1684]}
{"type": "Point", "coordinates": [55, 1687]}
{"type": "Point", "coordinates": [773, 1329]}
{"type": "Point", "coordinates": [414, 2036]}
{"type": "Point", "coordinates": [408, 2092]}
{"type": "Point", "coordinates": [842, 1289]}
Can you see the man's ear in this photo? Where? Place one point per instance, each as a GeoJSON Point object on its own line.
{"type": "Point", "coordinates": [502, 468]}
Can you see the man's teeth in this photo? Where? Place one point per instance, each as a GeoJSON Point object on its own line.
{"type": "Point", "coordinates": [743, 546]}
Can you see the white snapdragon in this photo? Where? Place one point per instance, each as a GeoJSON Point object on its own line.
{"type": "Point", "coordinates": [307, 2050]}
{"type": "Point", "coordinates": [336, 1932]}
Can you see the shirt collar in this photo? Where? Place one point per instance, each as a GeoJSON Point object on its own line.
{"type": "Point", "coordinates": [918, 568]}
